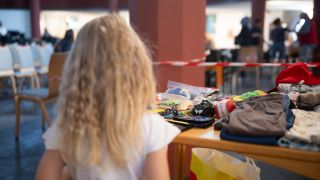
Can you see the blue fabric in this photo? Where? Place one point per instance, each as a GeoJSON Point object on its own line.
{"type": "Point", "coordinates": [278, 47]}
{"type": "Point", "coordinates": [289, 115]}
{"type": "Point", "coordinates": [278, 34]}
{"type": "Point", "coordinates": [264, 140]}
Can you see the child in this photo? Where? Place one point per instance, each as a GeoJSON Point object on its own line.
{"type": "Point", "coordinates": [103, 130]}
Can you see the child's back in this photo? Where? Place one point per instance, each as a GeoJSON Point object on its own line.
{"type": "Point", "coordinates": [102, 129]}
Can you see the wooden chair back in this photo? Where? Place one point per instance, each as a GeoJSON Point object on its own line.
{"type": "Point", "coordinates": [55, 73]}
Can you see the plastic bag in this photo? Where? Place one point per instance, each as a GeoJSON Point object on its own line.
{"type": "Point", "coordinates": [207, 164]}
{"type": "Point", "coordinates": [196, 91]}
{"type": "Point", "coordinates": [183, 102]}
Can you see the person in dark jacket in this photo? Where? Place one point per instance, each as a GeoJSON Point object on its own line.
{"type": "Point", "coordinates": [65, 44]}
{"type": "Point", "coordinates": [247, 51]}
{"type": "Point", "coordinates": [307, 37]}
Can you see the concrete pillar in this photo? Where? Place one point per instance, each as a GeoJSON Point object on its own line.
{"type": "Point", "coordinates": [174, 31]}
{"type": "Point", "coordinates": [258, 8]}
{"type": "Point", "coordinates": [35, 18]}
{"type": "Point", "coordinates": [113, 5]}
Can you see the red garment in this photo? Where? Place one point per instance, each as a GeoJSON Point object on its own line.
{"type": "Point", "coordinates": [310, 37]}
{"type": "Point", "coordinates": [296, 73]}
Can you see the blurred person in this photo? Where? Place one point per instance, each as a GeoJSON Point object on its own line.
{"type": "Point", "coordinates": [256, 35]}
{"type": "Point", "coordinates": [3, 34]}
{"type": "Point", "coordinates": [278, 36]}
{"type": "Point", "coordinates": [244, 40]}
{"type": "Point", "coordinates": [65, 44]}
{"type": "Point", "coordinates": [3, 30]}
{"type": "Point", "coordinates": [46, 36]}
{"type": "Point", "coordinates": [209, 43]}
{"type": "Point", "coordinates": [307, 37]}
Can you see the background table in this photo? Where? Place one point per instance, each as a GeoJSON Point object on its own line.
{"type": "Point", "coordinates": [306, 163]}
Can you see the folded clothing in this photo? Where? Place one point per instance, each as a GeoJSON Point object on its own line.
{"type": "Point", "coordinates": [309, 98]}
{"type": "Point", "coordinates": [264, 140]}
{"type": "Point", "coordinates": [248, 95]}
{"type": "Point", "coordinates": [306, 127]}
{"type": "Point", "coordinates": [258, 116]}
{"type": "Point", "coordinates": [298, 88]}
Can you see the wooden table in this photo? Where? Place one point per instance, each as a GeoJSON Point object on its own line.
{"type": "Point", "coordinates": [306, 163]}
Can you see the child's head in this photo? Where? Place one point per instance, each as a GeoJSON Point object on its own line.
{"type": "Point", "coordinates": [107, 85]}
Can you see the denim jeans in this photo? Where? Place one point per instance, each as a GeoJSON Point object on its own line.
{"type": "Point", "coordinates": [278, 47]}
{"type": "Point", "coordinates": [289, 114]}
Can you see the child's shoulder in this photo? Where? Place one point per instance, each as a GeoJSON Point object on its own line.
{"type": "Point", "coordinates": [157, 132]}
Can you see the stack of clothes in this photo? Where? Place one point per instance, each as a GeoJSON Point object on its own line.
{"type": "Point", "coordinates": [289, 117]}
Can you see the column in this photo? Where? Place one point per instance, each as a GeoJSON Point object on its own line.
{"type": "Point", "coordinates": [113, 5]}
{"type": "Point", "coordinates": [258, 8]}
{"type": "Point", "coordinates": [174, 31]}
{"type": "Point", "coordinates": [316, 16]}
{"type": "Point", "coordinates": [35, 18]}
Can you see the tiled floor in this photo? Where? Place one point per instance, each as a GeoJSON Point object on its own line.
{"type": "Point", "coordinates": [19, 159]}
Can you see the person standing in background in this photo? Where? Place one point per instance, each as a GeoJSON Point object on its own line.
{"type": "Point", "coordinates": [307, 37]}
{"type": "Point", "coordinates": [3, 34]}
{"type": "Point", "coordinates": [278, 36]}
{"type": "Point", "coordinates": [65, 44]}
{"type": "Point", "coordinates": [244, 39]}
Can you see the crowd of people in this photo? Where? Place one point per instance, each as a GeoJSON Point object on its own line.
{"type": "Point", "coordinates": [250, 38]}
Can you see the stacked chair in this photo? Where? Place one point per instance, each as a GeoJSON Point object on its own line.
{"type": "Point", "coordinates": [24, 64]}
{"type": "Point", "coordinates": [6, 68]}
{"type": "Point", "coordinates": [42, 56]}
{"type": "Point", "coordinates": [28, 62]}
{"type": "Point", "coordinates": [42, 96]}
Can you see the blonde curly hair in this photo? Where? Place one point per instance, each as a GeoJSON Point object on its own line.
{"type": "Point", "coordinates": [106, 87]}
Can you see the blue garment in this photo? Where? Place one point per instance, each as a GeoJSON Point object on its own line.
{"type": "Point", "coordinates": [264, 140]}
{"type": "Point", "coordinates": [278, 34]}
{"type": "Point", "coordinates": [278, 47]}
{"type": "Point", "coordinates": [306, 27]}
{"type": "Point", "coordinates": [289, 115]}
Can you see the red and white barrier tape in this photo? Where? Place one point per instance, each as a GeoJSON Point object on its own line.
{"type": "Point", "coordinates": [200, 62]}
{"type": "Point", "coordinates": [191, 62]}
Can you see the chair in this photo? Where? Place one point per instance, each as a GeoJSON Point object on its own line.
{"type": "Point", "coordinates": [235, 75]}
{"type": "Point", "coordinates": [246, 55]}
{"type": "Point", "coordinates": [6, 69]}
{"type": "Point", "coordinates": [43, 95]}
{"type": "Point", "coordinates": [24, 64]}
{"type": "Point", "coordinates": [42, 56]}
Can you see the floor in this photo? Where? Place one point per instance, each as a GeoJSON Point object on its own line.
{"type": "Point", "coordinates": [19, 158]}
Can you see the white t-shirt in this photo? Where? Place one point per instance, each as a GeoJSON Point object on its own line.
{"type": "Point", "coordinates": [156, 134]}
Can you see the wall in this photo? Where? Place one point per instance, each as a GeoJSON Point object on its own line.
{"type": "Point", "coordinates": [57, 22]}
{"type": "Point", "coordinates": [15, 19]}
{"type": "Point", "coordinates": [228, 17]}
